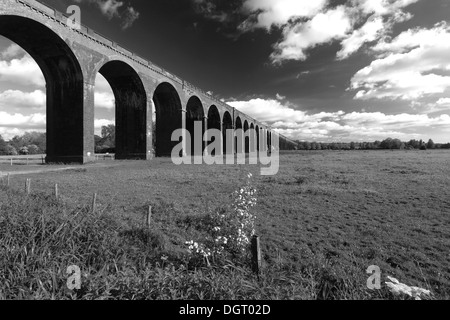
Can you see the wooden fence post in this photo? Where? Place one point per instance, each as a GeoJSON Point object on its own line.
{"type": "Point", "coordinates": [149, 217]}
{"type": "Point", "coordinates": [94, 200]}
{"type": "Point", "coordinates": [56, 191]}
{"type": "Point", "coordinates": [256, 255]}
{"type": "Point", "coordinates": [7, 181]}
{"type": "Point", "coordinates": [28, 186]}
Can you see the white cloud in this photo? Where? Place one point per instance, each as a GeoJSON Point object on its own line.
{"type": "Point", "coordinates": [306, 23]}
{"type": "Point", "coordinates": [399, 121]}
{"type": "Point", "coordinates": [414, 38]}
{"type": "Point", "coordinates": [109, 8]}
{"type": "Point", "coordinates": [369, 32]}
{"type": "Point", "coordinates": [130, 16]}
{"type": "Point", "coordinates": [443, 102]}
{"type": "Point", "coordinates": [273, 111]}
{"type": "Point", "coordinates": [279, 12]}
{"type": "Point", "coordinates": [340, 126]}
{"type": "Point", "coordinates": [408, 66]}
{"type": "Point", "coordinates": [112, 9]}
{"type": "Point", "coordinates": [99, 123]}
{"type": "Point", "coordinates": [23, 71]}
{"type": "Point", "coordinates": [16, 99]}
{"type": "Point", "coordinates": [8, 133]}
{"type": "Point", "coordinates": [35, 120]}
{"type": "Point", "coordinates": [280, 97]}
{"type": "Point", "coordinates": [104, 100]}
{"type": "Point", "coordinates": [440, 106]}
{"type": "Point", "coordinates": [104, 96]}
{"type": "Point", "coordinates": [268, 110]}
{"type": "Point", "coordinates": [101, 84]}
{"type": "Point", "coordinates": [382, 7]}
{"type": "Point", "coordinates": [322, 28]}
{"type": "Point", "coordinates": [12, 51]}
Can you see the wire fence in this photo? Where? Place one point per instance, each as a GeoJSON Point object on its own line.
{"type": "Point", "coordinates": [38, 159]}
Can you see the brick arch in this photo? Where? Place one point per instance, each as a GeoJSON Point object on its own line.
{"type": "Point", "coordinates": [257, 137]}
{"type": "Point", "coordinates": [246, 138]}
{"type": "Point", "coordinates": [64, 85]}
{"type": "Point", "coordinates": [195, 113]}
{"type": "Point", "coordinates": [238, 145]}
{"type": "Point", "coordinates": [168, 118]}
{"type": "Point", "coordinates": [131, 109]}
{"type": "Point", "coordinates": [227, 123]}
{"type": "Point", "coordinates": [214, 122]}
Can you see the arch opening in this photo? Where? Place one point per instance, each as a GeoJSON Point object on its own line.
{"type": "Point", "coordinates": [194, 113]}
{"type": "Point", "coordinates": [269, 135]}
{"type": "Point", "coordinates": [227, 123]}
{"type": "Point", "coordinates": [252, 146]}
{"type": "Point", "coordinates": [247, 139]}
{"type": "Point", "coordinates": [104, 115]}
{"type": "Point", "coordinates": [238, 146]}
{"type": "Point", "coordinates": [257, 137]}
{"type": "Point", "coordinates": [131, 110]}
{"type": "Point", "coordinates": [214, 123]}
{"type": "Point", "coordinates": [167, 118]}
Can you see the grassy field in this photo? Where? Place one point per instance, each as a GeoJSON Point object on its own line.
{"type": "Point", "coordinates": [323, 219]}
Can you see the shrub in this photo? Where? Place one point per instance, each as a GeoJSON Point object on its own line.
{"type": "Point", "coordinates": [228, 230]}
{"type": "Point", "coordinates": [10, 150]}
{"type": "Point", "coordinates": [23, 151]}
{"type": "Point", "coordinates": [33, 149]}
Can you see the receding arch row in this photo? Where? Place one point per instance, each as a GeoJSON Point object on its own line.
{"type": "Point", "coordinates": [192, 114]}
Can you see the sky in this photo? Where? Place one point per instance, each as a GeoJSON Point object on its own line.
{"type": "Point", "coordinates": [323, 70]}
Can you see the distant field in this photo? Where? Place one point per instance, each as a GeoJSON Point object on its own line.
{"type": "Point", "coordinates": [341, 211]}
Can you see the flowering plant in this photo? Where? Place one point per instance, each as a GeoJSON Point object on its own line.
{"type": "Point", "coordinates": [229, 230]}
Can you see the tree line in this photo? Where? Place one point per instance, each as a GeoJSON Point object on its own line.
{"type": "Point", "coordinates": [28, 143]}
{"type": "Point", "coordinates": [35, 143]}
{"type": "Point", "coordinates": [387, 144]}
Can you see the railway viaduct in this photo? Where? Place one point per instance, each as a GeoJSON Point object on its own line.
{"type": "Point", "coordinates": [70, 59]}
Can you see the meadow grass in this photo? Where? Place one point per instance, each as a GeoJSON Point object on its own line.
{"type": "Point", "coordinates": [323, 220]}
{"type": "Point", "coordinates": [40, 238]}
